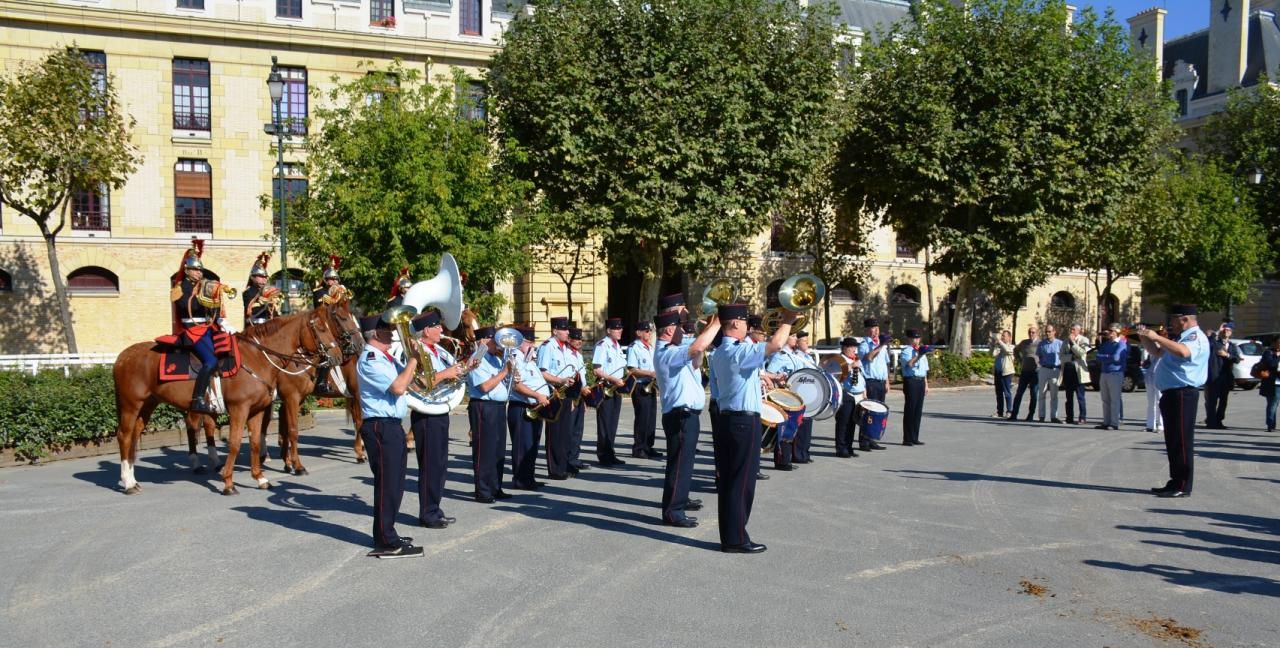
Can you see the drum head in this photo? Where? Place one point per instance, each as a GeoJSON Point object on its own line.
{"type": "Point", "coordinates": [785, 399]}
{"type": "Point", "coordinates": [833, 403]}
{"type": "Point", "coordinates": [873, 406]}
{"type": "Point", "coordinates": [771, 415]}
{"type": "Point", "coordinates": [812, 387]}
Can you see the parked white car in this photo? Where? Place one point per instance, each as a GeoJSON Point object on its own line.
{"type": "Point", "coordinates": [1250, 354]}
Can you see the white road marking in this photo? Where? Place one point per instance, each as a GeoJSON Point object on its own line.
{"type": "Point", "coordinates": [913, 565]}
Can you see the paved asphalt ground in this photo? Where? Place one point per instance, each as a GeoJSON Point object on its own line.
{"type": "Point", "coordinates": [947, 544]}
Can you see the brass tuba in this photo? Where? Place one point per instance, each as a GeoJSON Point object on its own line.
{"type": "Point", "coordinates": [717, 293]}
{"type": "Point", "coordinates": [799, 293]}
{"type": "Point", "coordinates": [443, 292]}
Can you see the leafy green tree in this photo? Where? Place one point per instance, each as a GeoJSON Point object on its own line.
{"type": "Point", "coordinates": [670, 128]}
{"type": "Point", "coordinates": [995, 134]}
{"type": "Point", "coordinates": [1245, 138]}
{"type": "Point", "coordinates": [1226, 249]}
{"type": "Point", "coordinates": [400, 173]}
{"type": "Point", "coordinates": [62, 130]}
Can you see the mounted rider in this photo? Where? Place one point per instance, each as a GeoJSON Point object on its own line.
{"type": "Point", "coordinates": [261, 302]}
{"type": "Point", "coordinates": [327, 282]}
{"type": "Point", "coordinates": [198, 314]}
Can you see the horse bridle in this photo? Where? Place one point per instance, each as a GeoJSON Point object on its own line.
{"type": "Point", "coordinates": [301, 356]}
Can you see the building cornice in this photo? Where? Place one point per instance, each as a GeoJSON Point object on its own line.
{"type": "Point", "coordinates": [177, 27]}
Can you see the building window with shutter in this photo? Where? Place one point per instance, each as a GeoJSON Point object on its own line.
{"type": "Point", "coordinates": [293, 186]}
{"type": "Point", "coordinates": [91, 210]}
{"type": "Point", "coordinates": [288, 8]}
{"type": "Point", "coordinates": [97, 62]}
{"type": "Point", "coordinates": [905, 251]}
{"type": "Point", "coordinates": [293, 105]}
{"type": "Point", "coordinates": [191, 94]}
{"type": "Point", "coordinates": [382, 13]}
{"type": "Point", "coordinates": [193, 197]}
{"type": "Point", "coordinates": [92, 280]}
{"type": "Point", "coordinates": [469, 17]}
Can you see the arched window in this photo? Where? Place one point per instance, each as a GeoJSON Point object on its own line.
{"type": "Point", "coordinates": [1063, 300]}
{"type": "Point", "coordinates": [6, 281]}
{"type": "Point", "coordinates": [846, 295]}
{"type": "Point", "coordinates": [92, 280]}
{"type": "Point", "coordinates": [1111, 312]}
{"type": "Point", "coordinates": [905, 295]}
{"type": "Point", "coordinates": [771, 293]}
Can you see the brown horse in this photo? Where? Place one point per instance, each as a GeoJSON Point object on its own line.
{"type": "Point", "coordinates": [247, 394]}
{"type": "Point", "coordinates": [465, 333]}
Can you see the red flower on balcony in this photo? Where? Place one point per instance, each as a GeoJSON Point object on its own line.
{"type": "Point", "coordinates": [389, 21]}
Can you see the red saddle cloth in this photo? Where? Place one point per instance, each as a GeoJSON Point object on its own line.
{"type": "Point", "coordinates": [178, 362]}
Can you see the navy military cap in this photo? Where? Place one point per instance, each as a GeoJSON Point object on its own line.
{"type": "Point", "coordinates": [732, 312]}
{"type": "Point", "coordinates": [664, 320]}
{"type": "Point", "coordinates": [848, 342]}
{"type": "Point", "coordinates": [671, 301]}
{"type": "Point", "coordinates": [575, 333]}
{"type": "Point", "coordinates": [484, 332]}
{"type": "Point", "coordinates": [559, 323]}
{"type": "Point", "coordinates": [613, 323]}
{"type": "Point", "coordinates": [425, 321]}
{"type": "Point", "coordinates": [1183, 309]}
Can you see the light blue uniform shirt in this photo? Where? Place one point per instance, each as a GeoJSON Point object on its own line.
{"type": "Point", "coordinates": [1173, 372]}
{"type": "Point", "coordinates": [640, 357]}
{"type": "Point", "coordinates": [439, 358]}
{"type": "Point", "coordinates": [679, 383]}
{"type": "Point", "coordinates": [737, 371]}
{"type": "Point", "coordinates": [553, 358]}
{"type": "Point", "coordinates": [876, 368]}
{"type": "Point", "coordinates": [1049, 353]}
{"type": "Point", "coordinates": [608, 358]}
{"type": "Point", "coordinates": [921, 369]}
{"type": "Point", "coordinates": [489, 367]}
{"type": "Point", "coordinates": [851, 386]}
{"type": "Point", "coordinates": [711, 377]}
{"type": "Point", "coordinates": [532, 378]}
{"type": "Point", "coordinates": [784, 361]}
{"type": "Point", "coordinates": [377, 371]}
{"type": "Point", "coordinates": [579, 364]}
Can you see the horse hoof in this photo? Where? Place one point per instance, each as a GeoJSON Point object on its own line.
{"type": "Point", "coordinates": [298, 472]}
{"type": "Point", "coordinates": [199, 470]}
{"type": "Point", "coordinates": [133, 490]}
{"type": "Point", "coordinates": [231, 490]}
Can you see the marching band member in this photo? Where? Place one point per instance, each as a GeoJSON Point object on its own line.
{"type": "Point", "coordinates": [609, 364]}
{"type": "Point", "coordinates": [431, 431]}
{"type": "Point", "coordinates": [573, 400]}
{"type": "Point", "coordinates": [874, 355]}
{"type": "Point", "coordinates": [383, 383]}
{"type": "Point", "coordinates": [643, 401]}
{"type": "Point", "coordinates": [489, 389]}
{"type": "Point", "coordinates": [553, 361]}
{"type": "Point", "coordinates": [737, 445]}
{"type": "Point", "coordinates": [778, 367]}
{"type": "Point", "coordinates": [327, 281]}
{"type": "Point", "coordinates": [683, 399]}
{"type": "Point", "coordinates": [198, 320]}
{"type": "Point", "coordinates": [914, 360]}
{"type": "Point", "coordinates": [1182, 370]}
{"type": "Point", "coordinates": [804, 436]}
{"type": "Point", "coordinates": [529, 389]}
{"type": "Point", "coordinates": [258, 304]}
{"type": "Point", "coordinates": [854, 386]}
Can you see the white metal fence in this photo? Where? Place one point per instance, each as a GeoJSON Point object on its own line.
{"type": "Point", "coordinates": [34, 363]}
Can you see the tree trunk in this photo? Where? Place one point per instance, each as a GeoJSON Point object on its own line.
{"type": "Point", "coordinates": [928, 289]}
{"type": "Point", "coordinates": [962, 328]}
{"type": "Point", "coordinates": [59, 288]}
{"type": "Point", "coordinates": [652, 283]}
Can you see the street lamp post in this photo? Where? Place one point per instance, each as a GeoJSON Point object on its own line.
{"type": "Point", "coordinates": [275, 86]}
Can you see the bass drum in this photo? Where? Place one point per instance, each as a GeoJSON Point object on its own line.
{"type": "Point", "coordinates": [813, 386]}
{"type": "Point", "coordinates": [833, 402]}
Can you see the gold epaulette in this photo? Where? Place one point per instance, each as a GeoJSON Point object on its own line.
{"type": "Point", "coordinates": [175, 293]}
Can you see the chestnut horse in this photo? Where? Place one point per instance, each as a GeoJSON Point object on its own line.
{"type": "Point", "coordinates": [302, 337]}
{"type": "Point", "coordinates": [296, 382]}
{"type": "Point", "coordinates": [466, 332]}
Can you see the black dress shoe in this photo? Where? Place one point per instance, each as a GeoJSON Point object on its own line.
{"type": "Point", "coordinates": [503, 495]}
{"type": "Point", "coordinates": [449, 519]}
{"type": "Point", "coordinates": [1101, 427]}
{"type": "Point", "coordinates": [581, 467]}
{"type": "Point", "coordinates": [843, 454]}
{"type": "Point", "coordinates": [786, 467]}
{"type": "Point", "coordinates": [761, 476]}
{"type": "Point", "coordinates": [1173, 493]}
{"type": "Point", "coordinates": [908, 443]}
{"type": "Point", "coordinates": [865, 448]}
{"type": "Point", "coordinates": [1028, 419]}
{"type": "Point", "coordinates": [876, 446]}
{"type": "Point", "coordinates": [917, 443]}
{"type": "Point", "coordinates": [1163, 489]}
{"type": "Point", "coordinates": [686, 523]}
{"type": "Point", "coordinates": [639, 455]}
{"type": "Point", "coordinates": [434, 524]}
{"type": "Point", "coordinates": [558, 477]}
{"type": "Point", "coordinates": [749, 548]}
{"type": "Point", "coordinates": [1059, 421]}
{"type": "Point", "coordinates": [691, 506]}
{"type": "Point", "coordinates": [654, 454]}
{"type": "Point", "coordinates": [485, 500]}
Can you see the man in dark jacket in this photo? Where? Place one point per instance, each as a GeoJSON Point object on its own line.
{"type": "Point", "coordinates": [1223, 356]}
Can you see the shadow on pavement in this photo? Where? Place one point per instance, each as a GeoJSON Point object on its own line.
{"type": "Point", "coordinates": [604, 519]}
{"type": "Point", "coordinates": [301, 508]}
{"type": "Point", "coordinates": [1222, 582]}
{"type": "Point", "coordinates": [968, 476]}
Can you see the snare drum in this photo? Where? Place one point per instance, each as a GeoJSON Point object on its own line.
{"type": "Point", "coordinates": [771, 416]}
{"type": "Point", "coordinates": [874, 418]}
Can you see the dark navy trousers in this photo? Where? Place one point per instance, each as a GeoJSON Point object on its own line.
{"type": "Point", "coordinates": [846, 421]}
{"type": "Point", "coordinates": [913, 409]}
{"type": "Point", "coordinates": [489, 447]}
{"type": "Point", "coordinates": [607, 428]}
{"type": "Point", "coordinates": [680, 426]}
{"type": "Point", "coordinates": [1028, 382]}
{"type": "Point", "coordinates": [737, 453]}
{"type": "Point", "coordinates": [384, 442]}
{"type": "Point", "coordinates": [644, 426]}
{"type": "Point", "coordinates": [804, 438]}
{"type": "Point", "coordinates": [431, 445]}
{"type": "Point", "coordinates": [579, 417]}
{"type": "Point", "coordinates": [1178, 411]}
{"type": "Point", "coordinates": [558, 433]}
{"type": "Point", "coordinates": [525, 435]}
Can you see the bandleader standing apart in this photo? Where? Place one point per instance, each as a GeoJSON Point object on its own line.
{"type": "Point", "coordinates": [1182, 369]}
{"type": "Point", "coordinates": [914, 360]}
{"type": "Point", "coordinates": [643, 400]}
{"type": "Point", "coordinates": [431, 431]}
{"type": "Point", "coordinates": [488, 387]}
{"type": "Point", "coordinates": [678, 366]}
{"type": "Point", "coordinates": [528, 390]}
{"type": "Point", "coordinates": [609, 364]}
{"type": "Point", "coordinates": [383, 383]}
{"type": "Point", "coordinates": [874, 352]}
{"type": "Point", "coordinates": [737, 445]}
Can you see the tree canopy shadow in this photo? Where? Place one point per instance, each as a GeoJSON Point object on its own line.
{"type": "Point", "coordinates": [1218, 581]}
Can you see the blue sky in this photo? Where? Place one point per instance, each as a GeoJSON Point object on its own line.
{"type": "Point", "coordinates": [1184, 16]}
